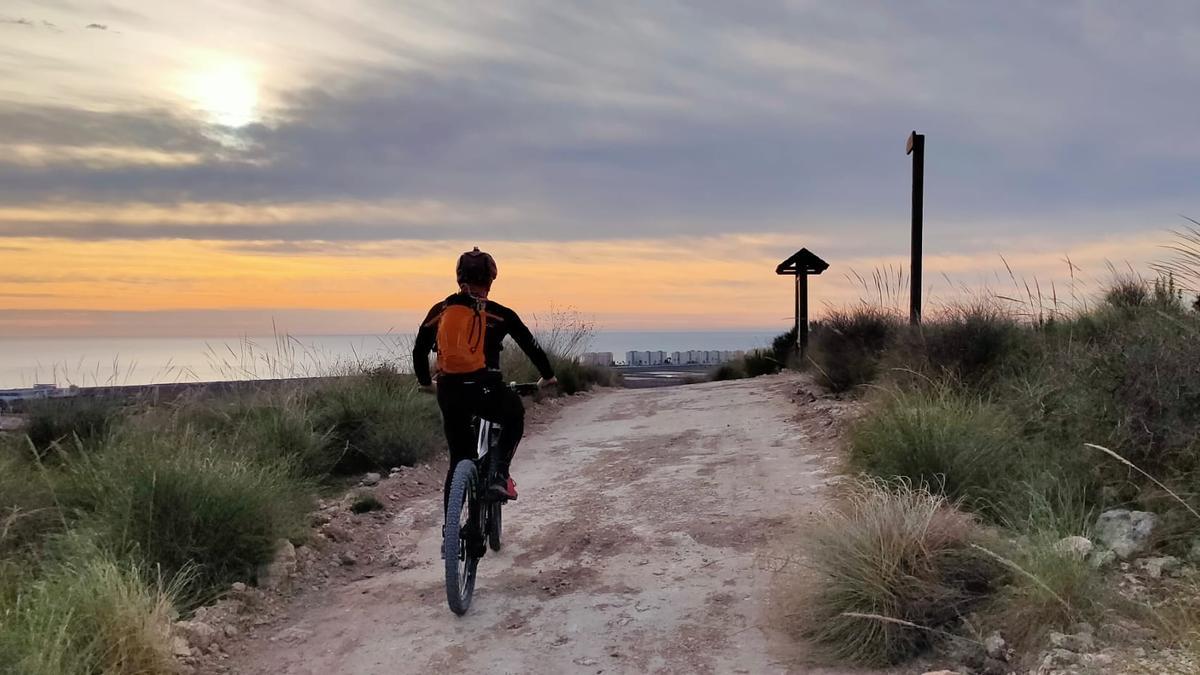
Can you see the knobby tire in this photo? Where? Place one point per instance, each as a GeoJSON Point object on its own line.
{"type": "Point", "coordinates": [460, 582]}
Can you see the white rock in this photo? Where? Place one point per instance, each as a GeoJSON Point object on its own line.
{"type": "Point", "coordinates": [180, 647]}
{"type": "Point", "coordinates": [996, 647]}
{"type": "Point", "coordinates": [1079, 642]}
{"type": "Point", "coordinates": [1076, 547]}
{"type": "Point", "coordinates": [371, 479]}
{"type": "Point", "coordinates": [277, 574]}
{"type": "Point", "coordinates": [1059, 657]}
{"type": "Point", "coordinates": [1096, 661]}
{"type": "Point", "coordinates": [1126, 533]}
{"type": "Point", "coordinates": [197, 633]}
{"type": "Point", "coordinates": [1156, 567]}
{"type": "Point", "coordinates": [238, 587]}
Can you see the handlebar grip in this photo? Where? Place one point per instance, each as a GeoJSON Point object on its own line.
{"type": "Point", "coordinates": [524, 389]}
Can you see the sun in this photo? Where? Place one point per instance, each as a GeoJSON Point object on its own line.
{"type": "Point", "coordinates": [226, 92]}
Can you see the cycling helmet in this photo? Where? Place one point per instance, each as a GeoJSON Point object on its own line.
{"type": "Point", "coordinates": [476, 267]}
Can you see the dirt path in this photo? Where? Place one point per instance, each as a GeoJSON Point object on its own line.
{"type": "Point", "coordinates": [644, 541]}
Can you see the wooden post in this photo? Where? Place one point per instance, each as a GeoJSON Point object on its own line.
{"type": "Point", "coordinates": [802, 315]}
{"type": "Point", "coordinates": [797, 307]}
{"type": "Point", "coordinates": [801, 264]}
{"type": "Point", "coordinates": [916, 147]}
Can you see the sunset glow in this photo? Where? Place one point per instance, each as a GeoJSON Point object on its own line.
{"type": "Point", "coordinates": [249, 163]}
{"type": "Point", "coordinates": [226, 92]}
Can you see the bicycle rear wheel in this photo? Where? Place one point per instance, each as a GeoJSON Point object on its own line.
{"type": "Point", "coordinates": [462, 514]}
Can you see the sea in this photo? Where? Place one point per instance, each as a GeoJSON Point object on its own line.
{"type": "Point", "coordinates": [107, 361]}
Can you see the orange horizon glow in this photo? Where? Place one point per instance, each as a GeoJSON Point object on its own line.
{"type": "Point", "coordinates": [718, 282]}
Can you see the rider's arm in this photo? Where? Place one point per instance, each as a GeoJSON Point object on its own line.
{"type": "Point", "coordinates": [426, 337]}
{"type": "Point", "coordinates": [529, 344]}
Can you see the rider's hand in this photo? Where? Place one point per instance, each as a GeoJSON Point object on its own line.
{"type": "Point", "coordinates": [543, 382]}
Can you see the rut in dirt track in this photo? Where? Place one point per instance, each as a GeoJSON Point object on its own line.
{"type": "Point", "coordinates": [644, 541]}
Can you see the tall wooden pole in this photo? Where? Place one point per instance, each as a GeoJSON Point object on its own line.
{"type": "Point", "coordinates": [797, 348]}
{"type": "Point", "coordinates": [916, 147]}
{"type": "Point", "coordinates": [802, 314]}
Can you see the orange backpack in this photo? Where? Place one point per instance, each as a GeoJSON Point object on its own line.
{"type": "Point", "coordinates": [460, 338]}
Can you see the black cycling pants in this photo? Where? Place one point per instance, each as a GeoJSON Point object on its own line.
{"type": "Point", "coordinates": [460, 400]}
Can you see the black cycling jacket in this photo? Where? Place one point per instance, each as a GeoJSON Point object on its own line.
{"type": "Point", "coordinates": [501, 322]}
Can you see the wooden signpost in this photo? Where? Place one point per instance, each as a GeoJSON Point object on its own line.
{"type": "Point", "coordinates": [802, 264]}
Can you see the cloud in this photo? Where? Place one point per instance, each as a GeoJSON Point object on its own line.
{"type": "Point", "coordinates": [30, 23]}
{"type": "Point", "coordinates": [286, 221]}
{"type": "Point", "coordinates": [668, 120]}
{"type": "Point", "coordinates": [96, 26]}
{"type": "Point", "coordinates": [606, 136]}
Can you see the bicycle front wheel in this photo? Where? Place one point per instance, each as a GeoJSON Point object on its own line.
{"type": "Point", "coordinates": [462, 513]}
{"type": "Point", "coordinates": [494, 525]}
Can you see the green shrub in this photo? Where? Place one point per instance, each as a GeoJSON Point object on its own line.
{"type": "Point", "coordinates": [1128, 379]}
{"type": "Point", "coordinates": [956, 446]}
{"type": "Point", "coordinates": [28, 510]}
{"type": "Point", "coordinates": [181, 501]}
{"type": "Point", "coordinates": [272, 425]}
{"type": "Point", "coordinates": [761, 362]}
{"type": "Point", "coordinates": [752, 364]}
{"type": "Point", "coordinates": [733, 370]}
{"type": "Point", "coordinates": [89, 613]}
{"type": "Point", "coordinates": [377, 420]}
{"type": "Point", "coordinates": [888, 571]}
{"type": "Point", "coordinates": [72, 422]}
{"type": "Point", "coordinates": [573, 376]}
{"type": "Point", "coordinates": [783, 347]}
{"type": "Point", "coordinates": [1127, 291]}
{"type": "Point", "coordinates": [972, 342]}
{"type": "Point", "coordinates": [847, 348]}
{"type": "Point", "coordinates": [365, 501]}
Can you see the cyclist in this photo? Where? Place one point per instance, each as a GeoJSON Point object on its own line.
{"type": "Point", "coordinates": [467, 330]}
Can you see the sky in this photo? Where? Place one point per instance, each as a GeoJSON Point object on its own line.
{"type": "Point", "coordinates": [226, 168]}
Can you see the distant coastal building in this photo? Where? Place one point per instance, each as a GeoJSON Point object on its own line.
{"type": "Point", "coordinates": [37, 391]}
{"type": "Point", "coordinates": [597, 359]}
{"type": "Point", "coordinates": [681, 358]}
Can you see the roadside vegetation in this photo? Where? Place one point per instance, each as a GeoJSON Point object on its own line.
{"type": "Point", "coordinates": [752, 364]}
{"type": "Point", "coordinates": [994, 437]}
{"type": "Point", "coordinates": [565, 335]}
{"type": "Point", "coordinates": [117, 516]}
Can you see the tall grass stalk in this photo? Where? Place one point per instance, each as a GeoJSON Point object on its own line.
{"type": "Point", "coordinates": [1152, 479]}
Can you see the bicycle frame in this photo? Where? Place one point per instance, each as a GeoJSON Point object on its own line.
{"type": "Point", "coordinates": [483, 441]}
{"type": "Point", "coordinates": [470, 484]}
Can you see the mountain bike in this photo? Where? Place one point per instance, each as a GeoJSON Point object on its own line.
{"type": "Point", "coordinates": [473, 516]}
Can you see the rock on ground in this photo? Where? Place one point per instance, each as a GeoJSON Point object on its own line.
{"type": "Point", "coordinates": [1076, 547]}
{"type": "Point", "coordinates": [277, 574]}
{"type": "Point", "coordinates": [1126, 533]}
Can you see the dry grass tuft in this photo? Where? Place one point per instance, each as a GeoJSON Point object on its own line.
{"type": "Point", "coordinates": [91, 613]}
{"type": "Point", "coordinates": [890, 571]}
